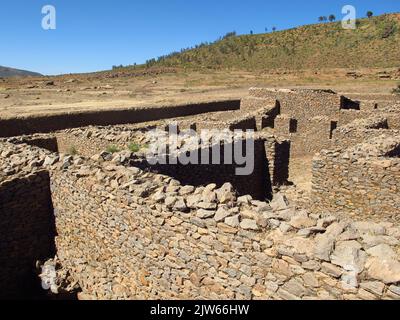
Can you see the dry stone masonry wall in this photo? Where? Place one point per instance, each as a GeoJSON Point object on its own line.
{"type": "Point", "coordinates": [362, 181]}
{"type": "Point", "coordinates": [120, 230]}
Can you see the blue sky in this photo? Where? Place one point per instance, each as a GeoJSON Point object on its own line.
{"type": "Point", "coordinates": [94, 35]}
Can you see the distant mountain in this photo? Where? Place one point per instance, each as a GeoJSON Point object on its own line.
{"type": "Point", "coordinates": [10, 72]}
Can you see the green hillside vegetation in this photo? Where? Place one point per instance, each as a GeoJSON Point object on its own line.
{"type": "Point", "coordinates": [374, 43]}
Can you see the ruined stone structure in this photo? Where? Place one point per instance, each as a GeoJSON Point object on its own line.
{"type": "Point", "coordinates": [123, 229]}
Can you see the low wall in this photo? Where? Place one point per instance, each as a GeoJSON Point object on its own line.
{"type": "Point", "coordinates": [44, 141]}
{"type": "Point", "coordinates": [257, 184]}
{"type": "Point", "coordinates": [360, 130]}
{"type": "Point", "coordinates": [278, 155]}
{"type": "Point", "coordinates": [302, 104]}
{"type": "Point", "coordinates": [247, 123]}
{"type": "Point", "coordinates": [27, 232]}
{"type": "Point", "coordinates": [49, 123]}
{"type": "Point", "coordinates": [128, 234]}
{"type": "Point", "coordinates": [119, 246]}
{"type": "Point", "coordinates": [352, 182]}
{"type": "Point", "coordinates": [306, 138]}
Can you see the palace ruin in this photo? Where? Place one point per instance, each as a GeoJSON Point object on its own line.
{"type": "Point", "coordinates": [76, 191]}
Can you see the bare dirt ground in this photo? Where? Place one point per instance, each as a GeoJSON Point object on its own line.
{"type": "Point", "coordinates": [69, 93]}
{"type": "Point", "coordinates": [300, 172]}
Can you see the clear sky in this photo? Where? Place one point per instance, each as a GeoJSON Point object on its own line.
{"type": "Point", "coordinates": [94, 35]}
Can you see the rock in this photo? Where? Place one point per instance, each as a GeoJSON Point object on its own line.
{"type": "Point", "coordinates": [395, 289]}
{"type": "Point", "coordinates": [208, 196]}
{"type": "Point", "coordinates": [244, 199]}
{"type": "Point", "coordinates": [249, 224]}
{"type": "Point", "coordinates": [106, 156]}
{"type": "Point", "coordinates": [370, 241]}
{"type": "Point", "coordinates": [283, 294]}
{"type": "Point", "coordinates": [210, 187]}
{"type": "Point", "coordinates": [248, 281]}
{"type": "Point", "coordinates": [67, 162]}
{"type": "Point", "coordinates": [310, 280]}
{"type": "Point", "coordinates": [204, 214]}
{"type": "Point", "coordinates": [159, 197]}
{"type": "Point", "coordinates": [331, 269]}
{"type": "Point", "coordinates": [301, 245]}
{"type": "Point", "coordinates": [232, 221]}
{"type": "Point", "coordinates": [282, 267]}
{"type": "Point", "coordinates": [248, 214]}
{"type": "Point", "coordinates": [295, 287]}
{"type": "Point", "coordinates": [186, 190]}
{"type": "Point", "coordinates": [326, 222]}
{"type": "Point", "coordinates": [372, 228]}
{"type": "Point", "coordinates": [226, 193]}
{"type": "Point", "coordinates": [311, 265]}
{"type": "Point", "coordinates": [324, 247]}
{"type": "Point", "coordinates": [180, 205]}
{"type": "Point", "coordinates": [221, 214]}
{"type": "Point", "coordinates": [279, 202]}
{"type": "Point", "coordinates": [300, 222]}
{"type": "Point", "coordinates": [170, 201]}
{"type": "Point", "coordinates": [207, 205]}
{"type": "Point", "coordinates": [382, 251]}
{"type": "Point", "coordinates": [260, 206]}
{"type": "Point", "coordinates": [51, 160]}
{"type": "Point", "coordinates": [325, 242]}
{"type": "Point", "coordinates": [193, 200]}
{"type": "Point", "coordinates": [365, 295]}
{"type": "Point", "coordinates": [285, 215]}
{"type": "Point", "coordinates": [373, 287]}
{"type": "Point", "coordinates": [274, 223]}
{"type": "Point", "coordinates": [385, 270]}
{"type": "Point", "coordinates": [285, 227]}
{"type": "Point", "coordinates": [348, 255]}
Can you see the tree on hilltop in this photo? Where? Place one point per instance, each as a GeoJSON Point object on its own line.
{"type": "Point", "coordinates": [370, 14]}
{"type": "Point", "coordinates": [332, 18]}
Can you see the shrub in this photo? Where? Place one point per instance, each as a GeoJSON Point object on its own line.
{"type": "Point", "coordinates": [134, 147]}
{"type": "Point", "coordinates": [388, 30]}
{"type": "Point", "coordinates": [72, 151]}
{"type": "Point", "coordinates": [112, 149]}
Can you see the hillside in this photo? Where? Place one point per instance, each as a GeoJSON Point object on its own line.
{"type": "Point", "coordinates": [375, 43]}
{"type": "Point", "coordinates": [10, 72]}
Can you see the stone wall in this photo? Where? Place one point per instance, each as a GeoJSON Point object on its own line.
{"type": "Point", "coordinates": [302, 104]}
{"type": "Point", "coordinates": [124, 233]}
{"type": "Point", "coordinates": [119, 246]}
{"type": "Point", "coordinates": [304, 116]}
{"type": "Point", "coordinates": [44, 141]}
{"type": "Point", "coordinates": [246, 123]}
{"type": "Point", "coordinates": [278, 155]}
{"type": "Point", "coordinates": [257, 183]}
{"type": "Point", "coordinates": [27, 232]}
{"type": "Point", "coordinates": [360, 130]}
{"type": "Point", "coordinates": [361, 181]}
{"type": "Point", "coordinates": [44, 124]}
